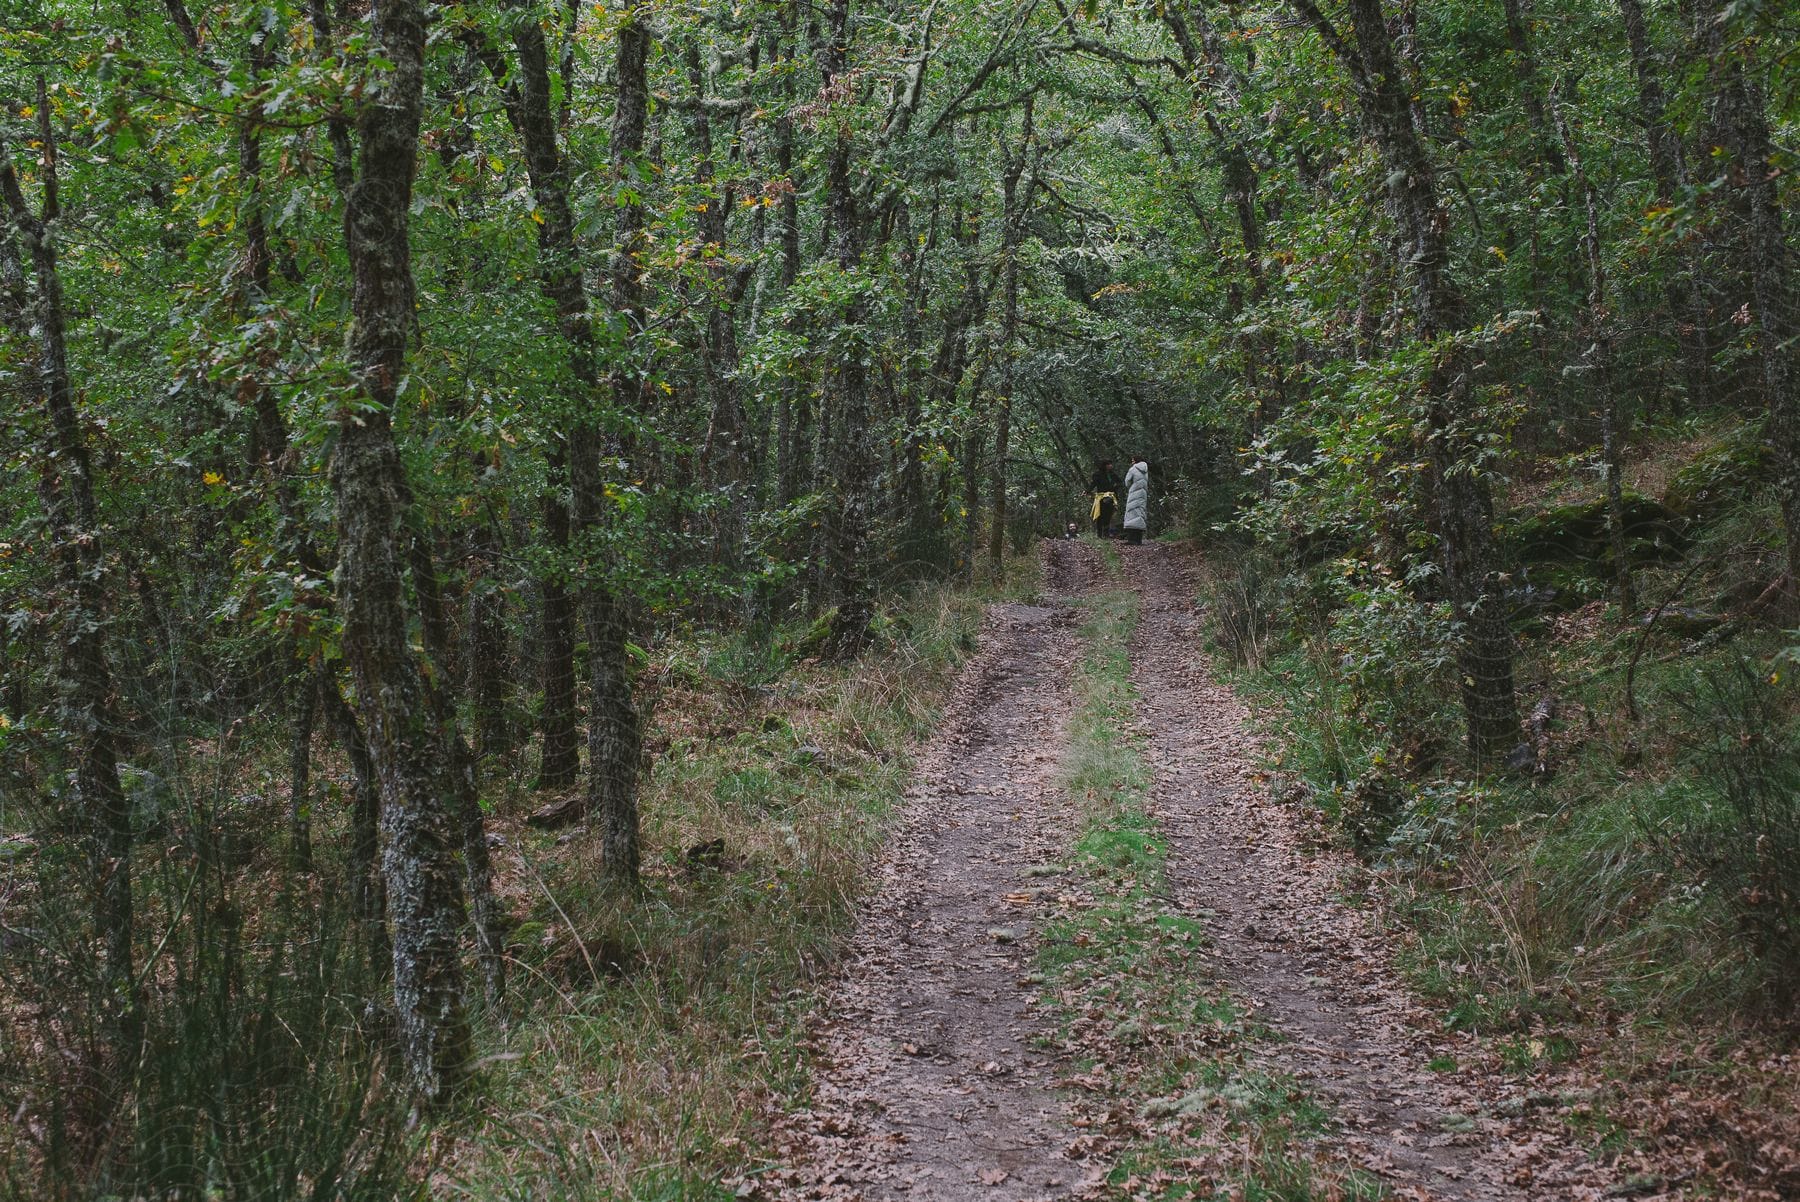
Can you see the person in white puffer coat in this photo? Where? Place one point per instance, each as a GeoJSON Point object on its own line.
{"type": "Point", "coordinates": [1137, 501]}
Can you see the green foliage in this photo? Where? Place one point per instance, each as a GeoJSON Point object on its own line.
{"type": "Point", "coordinates": [655, 1029]}
{"type": "Point", "coordinates": [1210, 269]}
{"type": "Point", "coordinates": [254, 1005]}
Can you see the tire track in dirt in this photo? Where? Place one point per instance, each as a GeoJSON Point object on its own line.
{"type": "Point", "coordinates": [931, 1083]}
{"type": "Point", "coordinates": [1313, 968]}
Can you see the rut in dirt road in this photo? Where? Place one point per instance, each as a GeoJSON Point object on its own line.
{"type": "Point", "coordinates": [932, 1086]}
{"type": "Point", "coordinates": [1314, 969]}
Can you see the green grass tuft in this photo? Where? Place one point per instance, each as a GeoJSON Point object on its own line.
{"type": "Point", "coordinates": [1155, 1038]}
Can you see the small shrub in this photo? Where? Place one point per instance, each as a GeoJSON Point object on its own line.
{"type": "Point", "coordinates": [1744, 838]}
{"type": "Point", "coordinates": [261, 1074]}
{"type": "Point", "coordinates": [749, 789]}
{"type": "Point", "coordinates": [1246, 593]}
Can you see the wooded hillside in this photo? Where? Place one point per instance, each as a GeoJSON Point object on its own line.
{"type": "Point", "coordinates": [429, 427]}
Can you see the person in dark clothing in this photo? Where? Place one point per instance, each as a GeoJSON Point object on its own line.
{"type": "Point", "coordinates": [1105, 487]}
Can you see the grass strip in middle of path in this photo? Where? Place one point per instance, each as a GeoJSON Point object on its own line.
{"type": "Point", "coordinates": [1166, 1090]}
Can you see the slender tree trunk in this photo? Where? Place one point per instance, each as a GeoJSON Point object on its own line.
{"type": "Point", "coordinates": [527, 95]}
{"type": "Point", "coordinates": [1687, 307]}
{"type": "Point", "coordinates": [368, 890]}
{"type": "Point", "coordinates": [1599, 362]}
{"type": "Point", "coordinates": [1003, 404]}
{"type": "Point", "coordinates": [951, 361]}
{"type": "Point", "coordinates": [465, 800]}
{"type": "Point", "coordinates": [615, 736]}
{"type": "Point", "coordinates": [913, 448]}
{"type": "Point", "coordinates": [1740, 110]}
{"type": "Point", "coordinates": [1219, 86]}
{"type": "Point", "coordinates": [1016, 204]}
{"type": "Point", "coordinates": [15, 691]}
{"type": "Point", "coordinates": [793, 411]}
{"type": "Point", "coordinates": [488, 654]}
{"type": "Point", "coordinates": [973, 441]}
{"type": "Point", "coordinates": [412, 752]}
{"type": "Point", "coordinates": [87, 713]}
{"type": "Point", "coordinates": [725, 453]}
{"type": "Point", "coordinates": [1531, 87]}
{"type": "Point", "coordinates": [306, 709]}
{"type": "Point", "coordinates": [613, 740]}
{"type": "Point", "coordinates": [1463, 501]}
{"type": "Point", "coordinates": [852, 458]}
{"type": "Point", "coordinates": [559, 275]}
{"type": "Point", "coordinates": [559, 760]}
{"type": "Point", "coordinates": [271, 455]}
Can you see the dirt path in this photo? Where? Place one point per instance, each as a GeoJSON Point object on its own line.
{"type": "Point", "coordinates": [932, 1087]}
{"type": "Point", "coordinates": [1312, 966]}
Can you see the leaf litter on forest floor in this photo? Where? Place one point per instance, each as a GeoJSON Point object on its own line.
{"type": "Point", "coordinates": [1193, 919]}
{"type": "Point", "coordinates": [930, 1081]}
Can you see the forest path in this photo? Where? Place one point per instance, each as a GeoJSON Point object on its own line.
{"type": "Point", "coordinates": [1314, 969]}
{"type": "Point", "coordinates": [934, 1082]}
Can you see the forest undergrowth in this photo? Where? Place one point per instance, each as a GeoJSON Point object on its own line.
{"type": "Point", "coordinates": [1622, 902]}
{"type": "Point", "coordinates": [646, 1036]}
{"type": "Point", "coordinates": [666, 1028]}
{"type": "Point", "coordinates": [399, 402]}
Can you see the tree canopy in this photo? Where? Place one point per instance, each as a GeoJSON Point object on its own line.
{"type": "Point", "coordinates": [405, 374]}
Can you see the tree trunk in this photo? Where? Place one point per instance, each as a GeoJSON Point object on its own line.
{"type": "Point", "coordinates": [1531, 87]}
{"type": "Point", "coordinates": [793, 411]}
{"type": "Point", "coordinates": [87, 713]}
{"type": "Point", "coordinates": [559, 757]}
{"type": "Point", "coordinates": [1003, 403]}
{"type": "Point", "coordinates": [411, 751]}
{"type": "Point", "coordinates": [1219, 86]}
{"type": "Point", "coordinates": [1741, 112]}
{"type": "Point", "coordinates": [615, 738]}
{"type": "Point", "coordinates": [486, 662]}
{"type": "Point", "coordinates": [724, 454]}
{"type": "Point", "coordinates": [465, 800]}
{"type": "Point", "coordinates": [1599, 362]}
{"type": "Point", "coordinates": [852, 458]}
{"type": "Point", "coordinates": [1016, 204]}
{"type": "Point", "coordinates": [306, 708]}
{"type": "Point", "coordinates": [559, 276]}
{"type": "Point", "coordinates": [1463, 501]}
{"type": "Point", "coordinates": [973, 440]}
{"type": "Point", "coordinates": [1687, 307]}
{"type": "Point", "coordinates": [527, 94]}
{"type": "Point", "coordinates": [368, 892]}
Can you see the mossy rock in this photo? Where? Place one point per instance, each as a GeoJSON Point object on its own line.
{"type": "Point", "coordinates": [1684, 621]}
{"type": "Point", "coordinates": [817, 637]}
{"type": "Point", "coordinates": [1718, 479]}
{"type": "Point", "coordinates": [1576, 534]}
{"type": "Point", "coordinates": [1549, 588]}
